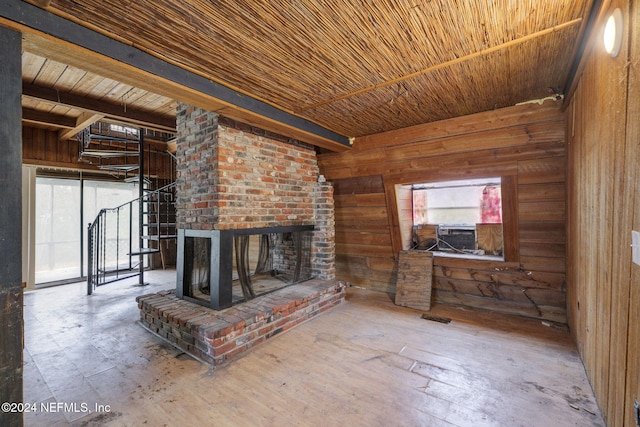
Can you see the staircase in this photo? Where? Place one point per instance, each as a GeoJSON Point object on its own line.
{"type": "Point", "coordinates": [125, 240]}
{"type": "Point", "coordinates": [160, 227]}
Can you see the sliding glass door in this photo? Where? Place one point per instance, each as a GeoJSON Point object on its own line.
{"type": "Point", "coordinates": [64, 209]}
{"type": "Point", "coordinates": [104, 194]}
{"type": "Point", "coordinates": [58, 234]}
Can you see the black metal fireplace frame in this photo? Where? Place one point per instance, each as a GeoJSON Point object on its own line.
{"type": "Point", "coordinates": [221, 264]}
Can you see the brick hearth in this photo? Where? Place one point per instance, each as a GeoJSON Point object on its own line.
{"type": "Point", "coordinates": [216, 336]}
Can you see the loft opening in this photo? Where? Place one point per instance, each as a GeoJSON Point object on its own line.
{"type": "Point", "coordinates": [458, 217]}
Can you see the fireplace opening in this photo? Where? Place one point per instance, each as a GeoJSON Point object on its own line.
{"type": "Point", "coordinates": [197, 268]}
{"type": "Point", "coordinates": [222, 268]}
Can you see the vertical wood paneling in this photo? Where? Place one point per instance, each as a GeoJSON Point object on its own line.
{"type": "Point", "coordinates": [526, 149]}
{"type": "Point", "coordinates": [632, 160]}
{"type": "Point", "coordinates": [603, 134]}
{"type": "Point", "coordinates": [405, 210]}
{"type": "Point", "coordinates": [509, 219]}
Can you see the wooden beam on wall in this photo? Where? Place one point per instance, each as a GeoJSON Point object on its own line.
{"type": "Point", "coordinates": [85, 120]}
{"type": "Point", "coordinates": [36, 117]}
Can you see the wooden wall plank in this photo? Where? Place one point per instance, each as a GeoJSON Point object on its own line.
{"type": "Point", "coordinates": [527, 295]}
{"type": "Point", "coordinates": [363, 249]}
{"type": "Point", "coordinates": [536, 171]}
{"type": "Point", "coordinates": [413, 283]}
{"type": "Point", "coordinates": [505, 117]}
{"type": "Point", "coordinates": [526, 309]}
{"type": "Point", "coordinates": [542, 249]}
{"type": "Point", "coordinates": [363, 238]}
{"type": "Point", "coordinates": [515, 276]}
{"type": "Point", "coordinates": [358, 185]}
{"type": "Point", "coordinates": [544, 191]}
{"type": "Point", "coordinates": [359, 200]}
{"type": "Point", "coordinates": [489, 140]}
{"type": "Point", "coordinates": [551, 264]}
{"type": "Point", "coordinates": [377, 226]}
{"type": "Point", "coordinates": [370, 165]}
{"type": "Point", "coordinates": [543, 231]}
{"type": "Point", "coordinates": [361, 214]}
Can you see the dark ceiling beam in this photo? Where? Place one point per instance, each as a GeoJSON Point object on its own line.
{"type": "Point", "coordinates": [173, 81]}
{"type": "Point", "coordinates": [42, 118]}
{"type": "Point", "coordinates": [95, 106]}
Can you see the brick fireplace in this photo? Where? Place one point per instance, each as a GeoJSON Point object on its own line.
{"type": "Point", "coordinates": [236, 180]}
{"type": "Point", "coordinates": [244, 193]}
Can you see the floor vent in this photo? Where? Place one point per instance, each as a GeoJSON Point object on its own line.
{"type": "Point", "coordinates": [436, 318]}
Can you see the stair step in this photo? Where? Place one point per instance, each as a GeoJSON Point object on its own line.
{"type": "Point", "coordinates": [161, 237]}
{"type": "Point", "coordinates": [157, 192]}
{"type": "Point", "coordinates": [144, 251]}
{"type": "Point", "coordinates": [114, 270]}
{"type": "Point", "coordinates": [125, 168]}
{"type": "Point", "coordinates": [137, 179]}
{"type": "Point", "coordinates": [98, 137]}
{"type": "Point", "coordinates": [108, 153]}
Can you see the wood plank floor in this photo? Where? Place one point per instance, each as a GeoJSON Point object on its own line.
{"type": "Point", "coordinates": [364, 363]}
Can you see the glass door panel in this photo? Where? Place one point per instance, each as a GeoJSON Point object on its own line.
{"type": "Point", "coordinates": [58, 232]}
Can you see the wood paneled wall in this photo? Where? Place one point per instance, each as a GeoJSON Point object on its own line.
{"type": "Point", "coordinates": [603, 298]}
{"type": "Point", "coordinates": [41, 147]}
{"type": "Point", "coordinates": [525, 145]}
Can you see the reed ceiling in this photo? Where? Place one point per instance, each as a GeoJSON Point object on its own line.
{"type": "Point", "coordinates": [357, 67]}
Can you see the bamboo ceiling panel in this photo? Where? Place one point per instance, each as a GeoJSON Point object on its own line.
{"type": "Point", "coordinates": [357, 67]}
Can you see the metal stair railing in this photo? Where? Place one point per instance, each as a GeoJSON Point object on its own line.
{"type": "Point", "coordinates": [115, 237]}
{"type": "Point", "coordinates": [111, 239]}
{"type": "Point", "coordinates": [160, 215]}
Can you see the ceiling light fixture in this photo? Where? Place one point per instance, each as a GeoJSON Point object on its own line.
{"type": "Point", "coordinates": [612, 36]}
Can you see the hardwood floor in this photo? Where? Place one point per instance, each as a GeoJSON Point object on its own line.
{"type": "Point", "coordinates": [364, 363]}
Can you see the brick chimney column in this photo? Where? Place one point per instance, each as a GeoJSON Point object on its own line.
{"type": "Point", "coordinates": [323, 249]}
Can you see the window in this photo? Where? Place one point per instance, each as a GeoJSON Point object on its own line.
{"type": "Point", "coordinates": [458, 217]}
{"type": "Point", "coordinates": [61, 223]}
{"type": "Point", "coordinates": [123, 129]}
{"type": "Point", "coordinates": [58, 233]}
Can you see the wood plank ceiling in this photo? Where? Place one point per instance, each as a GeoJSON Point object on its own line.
{"type": "Point", "coordinates": [58, 96]}
{"type": "Point", "coordinates": [356, 67]}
